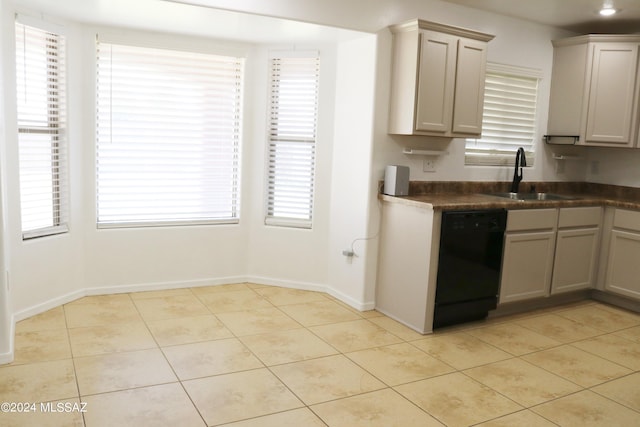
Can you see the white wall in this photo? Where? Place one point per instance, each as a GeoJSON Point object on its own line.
{"type": "Point", "coordinates": [282, 255]}
{"type": "Point", "coordinates": [615, 166]}
{"type": "Point", "coordinates": [350, 186]}
{"type": "Point", "coordinates": [6, 326]}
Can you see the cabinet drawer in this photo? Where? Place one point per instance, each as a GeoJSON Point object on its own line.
{"type": "Point", "coordinates": [629, 220]}
{"type": "Point", "coordinates": [580, 217]}
{"type": "Point", "coordinates": [532, 219]}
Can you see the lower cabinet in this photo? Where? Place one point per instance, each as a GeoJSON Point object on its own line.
{"type": "Point", "coordinates": [577, 249]}
{"type": "Point", "coordinates": [549, 251]}
{"type": "Point", "coordinates": [527, 263]}
{"type": "Point", "coordinates": [623, 267]}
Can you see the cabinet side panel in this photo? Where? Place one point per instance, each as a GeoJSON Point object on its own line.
{"type": "Point", "coordinates": [404, 264]}
{"type": "Point", "coordinates": [567, 97]}
{"type": "Point", "coordinates": [469, 90]}
{"type": "Point", "coordinates": [404, 69]}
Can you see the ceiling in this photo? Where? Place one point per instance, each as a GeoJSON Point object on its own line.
{"type": "Point", "coordinates": [579, 16]}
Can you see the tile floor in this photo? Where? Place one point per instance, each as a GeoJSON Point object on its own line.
{"type": "Point", "coordinates": [247, 355]}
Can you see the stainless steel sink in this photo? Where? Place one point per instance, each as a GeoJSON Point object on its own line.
{"type": "Point", "coordinates": [523, 197]}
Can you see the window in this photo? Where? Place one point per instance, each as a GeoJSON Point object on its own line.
{"type": "Point", "coordinates": [168, 136]}
{"type": "Point", "coordinates": [509, 119]}
{"type": "Point", "coordinates": [292, 140]}
{"type": "Point", "coordinates": [40, 87]}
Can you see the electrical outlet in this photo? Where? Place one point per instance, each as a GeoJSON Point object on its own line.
{"type": "Point", "coordinates": [429, 165]}
{"type": "Point", "coordinates": [595, 167]}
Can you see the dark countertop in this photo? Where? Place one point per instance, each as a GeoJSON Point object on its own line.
{"type": "Point", "coordinates": [475, 195]}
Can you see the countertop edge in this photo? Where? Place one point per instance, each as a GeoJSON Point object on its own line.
{"type": "Point", "coordinates": [454, 201]}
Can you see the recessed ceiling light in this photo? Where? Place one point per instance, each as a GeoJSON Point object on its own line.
{"type": "Point", "coordinates": [608, 11]}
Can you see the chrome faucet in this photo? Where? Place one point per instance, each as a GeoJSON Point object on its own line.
{"type": "Point", "coordinates": [521, 161]}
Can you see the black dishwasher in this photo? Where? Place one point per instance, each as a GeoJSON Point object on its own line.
{"type": "Point", "coordinates": [469, 265]}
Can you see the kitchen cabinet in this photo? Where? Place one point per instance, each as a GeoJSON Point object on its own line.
{"type": "Point", "coordinates": [408, 264]}
{"type": "Point", "coordinates": [595, 87]}
{"type": "Point", "coordinates": [438, 79]}
{"type": "Point", "coordinates": [527, 262]}
{"type": "Point", "coordinates": [623, 267]}
{"type": "Point", "coordinates": [577, 245]}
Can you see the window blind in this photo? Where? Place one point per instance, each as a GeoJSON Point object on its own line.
{"type": "Point", "coordinates": [168, 136]}
{"type": "Point", "coordinates": [292, 140]}
{"type": "Point", "coordinates": [509, 118]}
{"type": "Point", "coordinates": [41, 115]}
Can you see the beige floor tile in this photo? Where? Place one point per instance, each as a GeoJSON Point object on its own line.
{"type": "Point", "coordinates": [284, 296]}
{"type": "Point", "coordinates": [522, 382]}
{"type": "Point", "coordinates": [224, 302]}
{"type": "Point", "coordinates": [119, 371]}
{"type": "Point", "coordinates": [240, 396]}
{"type": "Point", "coordinates": [170, 307]}
{"type": "Point", "coordinates": [355, 335]}
{"type": "Point", "coordinates": [328, 378]}
{"type": "Point", "coordinates": [613, 348]}
{"type": "Point", "coordinates": [587, 409]}
{"type": "Point", "coordinates": [50, 319]}
{"type": "Point", "coordinates": [102, 299]}
{"type": "Point", "coordinates": [288, 346]}
{"type": "Point", "coordinates": [524, 418]}
{"type": "Point", "coordinates": [601, 318]}
{"type": "Point", "coordinates": [396, 328]}
{"type": "Point", "coordinates": [457, 400]}
{"type": "Point", "coordinates": [166, 293]}
{"type": "Point", "coordinates": [60, 413]}
{"type": "Point", "coordinates": [319, 313]}
{"type": "Point", "coordinates": [95, 340]}
{"type": "Point", "coordinates": [185, 330]}
{"type": "Point", "coordinates": [399, 363]}
{"type": "Point", "coordinates": [103, 313]}
{"type": "Point", "coordinates": [210, 358]}
{"type": "Point", "coordinates": [41, 346]}
{"type": "Point", "coordinates": [513, 338]}
{"type": "Point", "coordinates": [460, 350]}
{"type": "Point", "coordinates": [559, 328]}
{"type": "Point", "coordinates": [384, 408]}
{"type": "Point", "coordinates": [302, 417]}
{"type": "Point", "coordinates": [632, 334]}
{"type": "Point", "coordinates": [577, 365]}
{"type": "Point", "coordinates": [232, 287]}
{"type": "Point", "coordinates": [160, 405]}
{"type": "Point", "coordinates": [625, 391]}
{"type": "Point", "coordinates": [259, 321]}
{"type": "Point", "coordinates": [38, 382]}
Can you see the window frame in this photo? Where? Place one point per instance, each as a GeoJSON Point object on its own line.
{"type": "Point", "coordinates": [234, 143]}
{"type": "Point", "coordinates": [499, 156]}
{"type": "Point", "coordinates": [56, 123]}
{"type": "Point", "coordinates": [308, 136]}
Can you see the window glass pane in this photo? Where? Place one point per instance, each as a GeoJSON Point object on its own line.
{"type": "Point", "coordinates": [168, 127]}
{"type": "Point", "coordinates": [292, 140]}
{"type": "Point", "coordinates": [40, 87]}
{"type": "Point", "coordinates": [509, 119]}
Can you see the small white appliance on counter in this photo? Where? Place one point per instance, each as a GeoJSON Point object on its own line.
{"type": "Point", "coordinates": [396, 180]}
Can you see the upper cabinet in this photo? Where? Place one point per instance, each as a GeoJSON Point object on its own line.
{"type": "Point", "coordinates": [437, 82]}
{"type": "Point", "coordinates": [595, 88]}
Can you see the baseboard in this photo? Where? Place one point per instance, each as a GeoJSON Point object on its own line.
{"type": "Point", "coordinates": [269, 281]}
{"type": "Point", "coordinates": [516, 307]}
{"type": "Point", "coordinates": [617, 300]}
{"type": "Point", "coordinates": [358, 305]}
{"type": "Point", "coordinates": [162, 286]}
{"type": "Point", "coordinates": [48, 305]}
{"type": "Point", "coordinates": [9, 355]}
